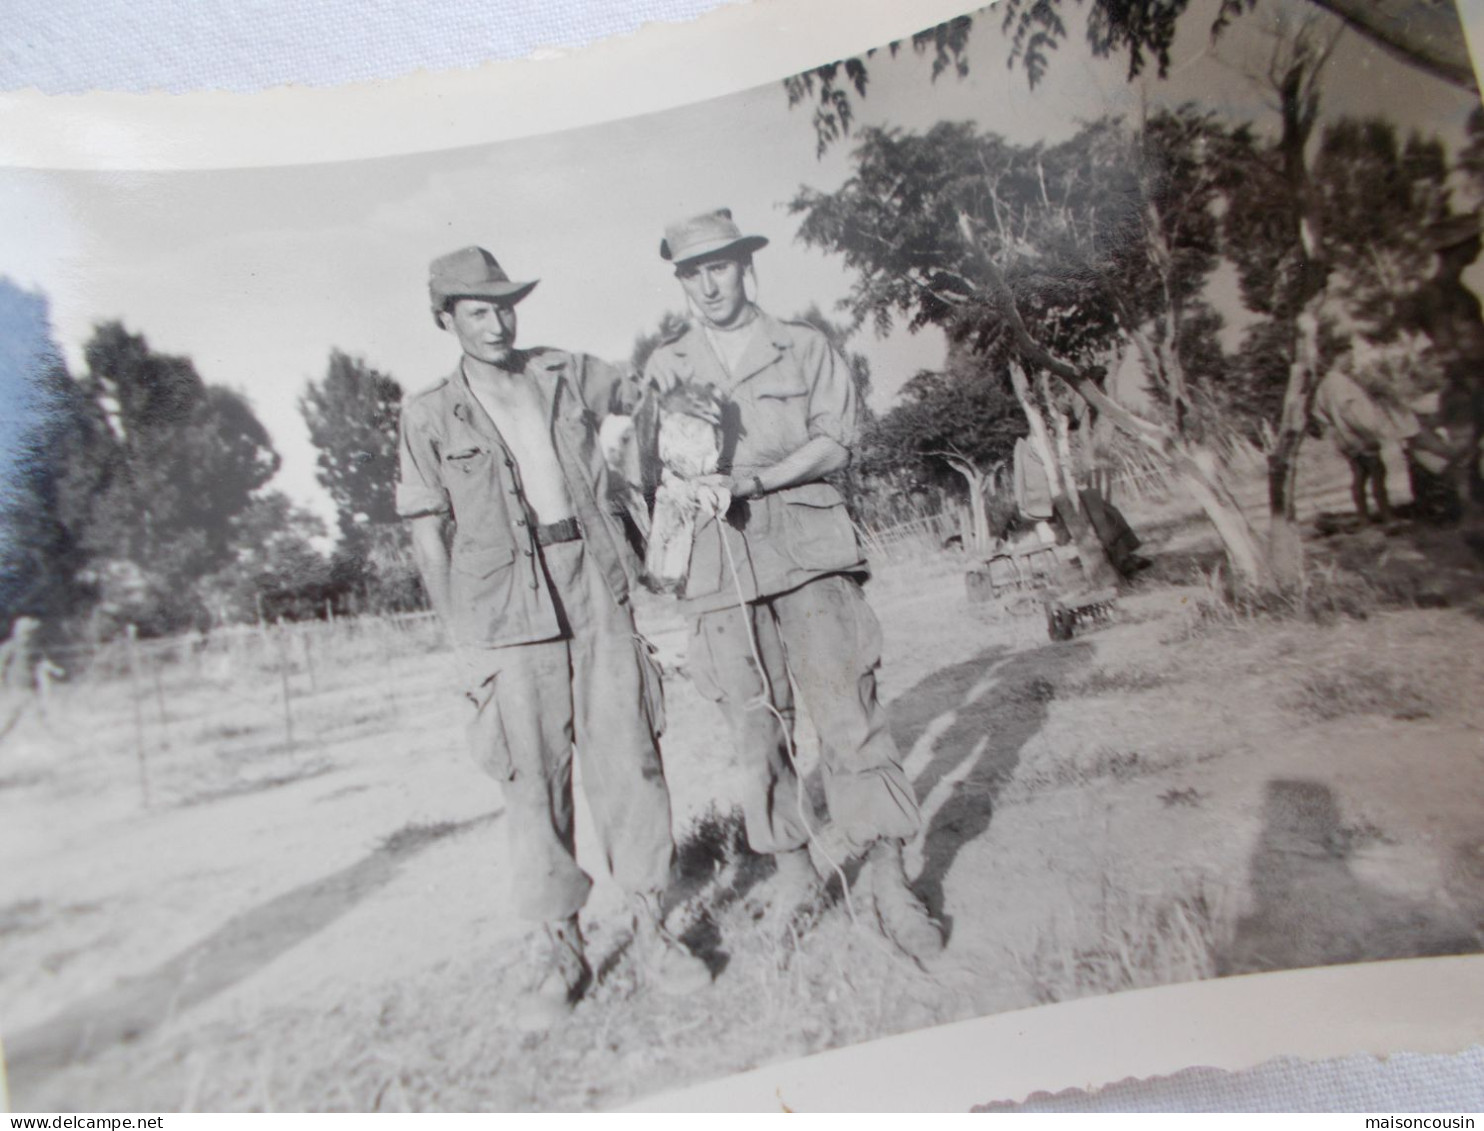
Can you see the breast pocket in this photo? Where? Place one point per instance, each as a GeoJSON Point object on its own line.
{"type": "Point", "coordinates": [774, 411]}
{"type": "Point", "coordinates": [466, 463]}
{"type": "Point", "coordinates": [779, 384]}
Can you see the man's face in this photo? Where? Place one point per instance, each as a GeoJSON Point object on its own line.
{"type": "Point", "coordinates": [485, 329]}
{"type": "Point", "coordinates": [715, 289]}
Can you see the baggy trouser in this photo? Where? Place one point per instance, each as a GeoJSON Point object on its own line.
{"type": "Point", "coordinates": [825, 636]}
{"type": "Point", "coordinates": [598, 689]}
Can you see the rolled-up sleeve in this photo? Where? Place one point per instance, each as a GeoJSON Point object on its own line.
{"type": "Point", "coordinates": [420, 489]}
{"type": "Point", "coordinates": [604, 387]}
{"type": "Point", "coordinates": [834, 407]}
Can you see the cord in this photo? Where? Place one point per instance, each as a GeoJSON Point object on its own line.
{"type": "Point", "coordinates": [766, 700]}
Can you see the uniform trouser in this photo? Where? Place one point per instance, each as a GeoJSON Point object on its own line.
{"type": "Point", "coordinates": [598, 688]}
{"type": "Point", "coordinates": [827, 637]}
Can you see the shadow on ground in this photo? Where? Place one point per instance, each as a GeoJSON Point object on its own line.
{"type": "Point", "coordinates": [1310, 907]}
{"type": "Point", "coordinates": [240, 947]}
{"type": "Point", "coordinates": [988, 708]}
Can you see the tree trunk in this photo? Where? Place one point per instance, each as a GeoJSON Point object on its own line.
{"type": "Point", "coordinates": [1197, 470]}
{"type": "Point", "coordinates": [1240, 542]}
{"type": "Point", "coordinates": [1285, 545]}
{"type": "Point", "coordinates": [980, 537]}
{"type": "Point", "coordinates": [979, 513]}
{"type": "Point", "coordinates": [1095, 563]}
{"type": "Point", "coordinates": [1062, 436]}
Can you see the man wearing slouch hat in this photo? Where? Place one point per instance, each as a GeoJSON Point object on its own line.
{"type": "Point", "coordinates": [503, 481]}
{"type": "Point", "coordinates": [773, 588]}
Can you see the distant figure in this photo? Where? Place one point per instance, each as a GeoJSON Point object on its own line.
{"type": "Point", "coordinates": [1034, 500]}
{"type": "Point", "coordinates": [1360, 424]}
{"type": "Point", "coordinates": [23, 672]}
{"type": "Point", "coordinates": [1032, 484]}
{"type": "Point", "coordinates": [1449, 313]}
{"type": "Point", "coordinates": [15, 655]}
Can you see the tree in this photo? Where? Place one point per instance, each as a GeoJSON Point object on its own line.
{"type": "Point", "coordinates": [671, 323]}
{"type": "Point", "coordinates": [1378, 196]}
{"type": "Point", "coordinates": [162, 467]}
{"type": "Point", "coordinates": [1039, 257]}
{"type": "Point", "coordinates": [352, 418]}
{"type": "Point", "coordinates": [961, 424]}
{"type": "Point", "coordinates": [1427, 36]}
{"type": "Point", "coordinates": [276, 572]}
{"type": "Point", "coordinates": [50, 426]}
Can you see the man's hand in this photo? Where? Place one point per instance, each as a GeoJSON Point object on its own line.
{"type": "Point", "coordinates": [744, 486]}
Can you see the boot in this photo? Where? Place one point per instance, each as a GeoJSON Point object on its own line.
{"type": "Point", "coordinates": [793, 887]}
{"type": "Point", "coordinates": [668, 964]}
{"type": "Point", "coordinates": [830, 851]}
{"type": "Point", "coordinates": [794, 880]}
{"type": "Point", "coordinates": [560, 978]}
{"type": "Point", "coordinates": [904, 920]}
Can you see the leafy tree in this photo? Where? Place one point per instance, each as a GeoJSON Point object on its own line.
{"type": "Point", "coordinates": [645, 343]}
{"type": "Point", "coordinates": [162, 465]}
{"type": "Point", "coordinates": [1043, 258]}
{"type": "Point", "coordinates": [1378, 197]}
{"type": "Point", "coordinates": [50, 425]}
{"type": "Point", "coordinates": [1427, 36]}
{"type": "Point", "coordinates": [352, 418]}
{"type": "Point", "coordinates": [276, 572]}
{"type": "Point", "coordinates": [957, 425]}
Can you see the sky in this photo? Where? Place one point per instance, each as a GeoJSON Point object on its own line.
{"type": "Point", "coordinates": [258, 274]}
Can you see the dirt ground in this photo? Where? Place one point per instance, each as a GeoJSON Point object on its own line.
{"type": "Point", "coordinates": [1189, 791]}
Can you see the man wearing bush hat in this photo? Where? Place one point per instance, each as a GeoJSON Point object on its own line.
{"type": "Point", "coordinates": [773, 588]}
{"type": "Point", "coordinates": [532, 588]}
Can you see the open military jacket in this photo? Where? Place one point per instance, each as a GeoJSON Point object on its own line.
{"type": "Point", "coordinates": [454, 462]}
{"type": "Point", "coordinates": [790, 386]}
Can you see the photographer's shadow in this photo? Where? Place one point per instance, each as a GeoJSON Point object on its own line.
{"type": "Point", "coordinates": [976, 718]}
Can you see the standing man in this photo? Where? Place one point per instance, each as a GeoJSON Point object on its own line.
{"type": "Point", "coordinates": [504, 483]}
{"type": "Point", "coordinates": [778, 580]}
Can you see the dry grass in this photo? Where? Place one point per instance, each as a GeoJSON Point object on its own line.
{"type": "Point", "coordinates": [1132, 944]}
{"type": "Point", "coordinates": [1121, 681]}
{"type": "Point", "coordinates": [1359, 689]}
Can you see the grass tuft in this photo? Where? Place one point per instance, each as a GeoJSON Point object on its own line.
{"type": "Point", "coordinates": [1124, 681]}
{"type": "Point", "coordinates": [1359, 690]}
{"type": "Point", "coordinates": [1140, 943]}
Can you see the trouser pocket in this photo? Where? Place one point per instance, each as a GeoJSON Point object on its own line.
{"type": "Point", "coordinates": [489, 745]}
{"type": "Point", "coordinates": [652, 683]}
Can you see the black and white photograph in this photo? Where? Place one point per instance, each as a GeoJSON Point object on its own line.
{"type": "Point", "coordinates": [987, 522]}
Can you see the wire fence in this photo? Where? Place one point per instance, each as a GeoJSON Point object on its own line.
{"type": "Point", "coordinates": [205, 714]}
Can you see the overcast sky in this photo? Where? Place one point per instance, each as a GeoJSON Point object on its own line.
{"type": "Point", "coordinates": [257, 274]}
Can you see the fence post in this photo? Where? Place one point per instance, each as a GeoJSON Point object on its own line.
{"type": "Point", "coordinates": [130, 636]}
{"type": "Point", "coordinates": [283, 671]}
{"type": "Point", "coordinates": [306, 631]}
{"type": "Point", "coordinates": [155, 667]}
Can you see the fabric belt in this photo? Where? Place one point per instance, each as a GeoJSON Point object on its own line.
{"type": "Point", "coordinates": [566, 530]}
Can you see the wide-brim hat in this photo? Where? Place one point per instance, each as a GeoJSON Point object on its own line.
{"type": "Point", "coordinates": [710, 233]}
{"type": "Point", "coordinates": [472, 272]}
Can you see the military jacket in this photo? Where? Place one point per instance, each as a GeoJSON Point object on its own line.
{"type": "Point", "coordinates": [789, 387]}
{"type": "Point", "coordinates": [454, 462]}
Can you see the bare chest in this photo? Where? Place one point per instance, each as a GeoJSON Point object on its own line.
{"type": "Point", "coordinates": [520, 416]}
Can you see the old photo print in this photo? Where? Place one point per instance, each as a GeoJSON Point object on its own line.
{"type": "Point", "coordinates": [987, 522]}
